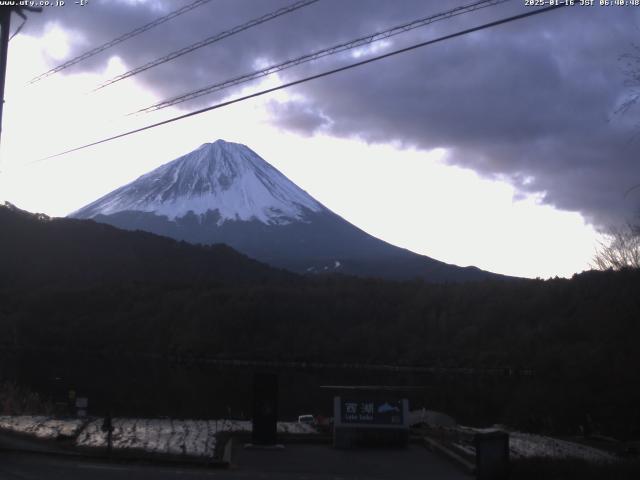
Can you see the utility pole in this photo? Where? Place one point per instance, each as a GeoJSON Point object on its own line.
{"type": "Point", "coordinates": [5, 25]}
{"type": "Point", "coordinates": [5, 21]}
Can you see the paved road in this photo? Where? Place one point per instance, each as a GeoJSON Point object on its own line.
{"type": "Point", "coordinates": [46, 467]}
{"type": "Point", "coordinates": [316, 461]}
{"type": "Point", "coordinates": [13, 441]}
{"type": "Point", "coordinates": [296, 462]}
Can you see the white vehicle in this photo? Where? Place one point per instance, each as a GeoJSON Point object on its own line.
{"type": "Point", "coordinates": [308, 419]}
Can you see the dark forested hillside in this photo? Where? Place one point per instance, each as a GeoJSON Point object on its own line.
{"type": "Point", "coordinates": [578, 337]}
{"type": "Point", "coordinates": [38, 251]}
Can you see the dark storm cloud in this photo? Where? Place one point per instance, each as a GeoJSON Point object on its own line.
{"type": "Point", "coordinates": [532, 102]}
{"type": "Point", "coordinates": [297, 116]}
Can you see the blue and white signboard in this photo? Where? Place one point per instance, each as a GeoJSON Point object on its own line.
{"type": "Point", "coordinates": [372, 412]}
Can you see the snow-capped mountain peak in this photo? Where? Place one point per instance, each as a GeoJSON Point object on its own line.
{"type": "Point", "coordinates": [226, 177]}
{"type": "Point", "coordinates": [225, 193]}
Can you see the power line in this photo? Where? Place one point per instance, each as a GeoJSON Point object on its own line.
{"type": "Point", "coordinates": [358, 42]}
{"type": "Point", "coordinates": [635, 187]}
{"type": "Point", "coordinates": [313, 77]}
{"type": "Point", "coordinates": [19, 29]}
{"type": "Point", "coordinates": [209, 41]}
{"type": "Point", "coordinates": [120, 39]}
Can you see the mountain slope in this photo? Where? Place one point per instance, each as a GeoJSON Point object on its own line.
{"type": "Point", "coordinates": [227, 177]}
{"type": "Point", "coordinates": [225, 193]}
{"type": "Point", "coordinates": [40, 251]}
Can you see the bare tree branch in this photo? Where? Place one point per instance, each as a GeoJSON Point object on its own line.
{"type": "Point", "coordinates": [620, 250]}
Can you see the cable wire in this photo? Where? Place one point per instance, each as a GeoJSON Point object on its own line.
{"type": "Point", "coordinates": [358, 42]}
{"type": "Point", "coordinates": [20, 27]}
{"type": "Point", "coordinates": [208, 41]}
{"type": "Point", "coordinates": [120, 39]}
{"type": "Point", "coordinates": [313, 77]}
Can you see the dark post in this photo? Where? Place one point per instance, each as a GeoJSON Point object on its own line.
{"type": "Point", "coordinates": [107, 426]}
{"type": "Point", "coordinates": [265, 409]}
{"type": "Point", "coordinates": [492, 455]}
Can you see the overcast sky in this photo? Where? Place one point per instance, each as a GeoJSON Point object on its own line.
{"type": "Point", "coordinates": [500, 149]}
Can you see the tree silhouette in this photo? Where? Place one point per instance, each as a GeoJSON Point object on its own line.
{"type": "Point", "coordinates": [620, 250]}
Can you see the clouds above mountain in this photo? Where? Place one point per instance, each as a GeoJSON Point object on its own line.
{"type": "Point", "coordinates": [531, 102]}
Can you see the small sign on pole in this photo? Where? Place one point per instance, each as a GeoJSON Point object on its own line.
{"type": "Point", "coordinates": [82, 403]}
{"type": "Point", "coordinates": [107, 427]}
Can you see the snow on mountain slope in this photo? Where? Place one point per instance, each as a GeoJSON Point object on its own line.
{"type": "Point", "coordinates": [223, 176]}
{"type": "Point", "coordinates": [225, 193]}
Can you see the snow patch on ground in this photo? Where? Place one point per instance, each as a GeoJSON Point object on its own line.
{"type": "Point", "coordinates": [526, 445]}
{"type": "Point", "coordinates": [529, 445]}
{"type": "Point", "coordinates": [177, 437]}
{"type": "Point", "coordinates": [163, 436]}
{"type": "Point", "coordinates": [41, 426]}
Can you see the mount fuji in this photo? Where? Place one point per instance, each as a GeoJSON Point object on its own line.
{"type": "Point", "coordinates": [224, 192]}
